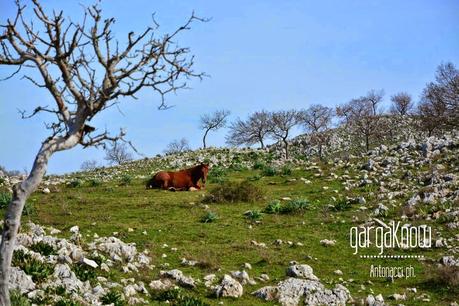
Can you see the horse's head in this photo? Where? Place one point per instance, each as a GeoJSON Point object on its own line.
{"type": "Point", "coordinates": [204, 168]}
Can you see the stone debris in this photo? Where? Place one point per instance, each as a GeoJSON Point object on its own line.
{"type": "Point", "coordinates": [229, 287]}
{"type": "Point", "coordinates": [289, 292]}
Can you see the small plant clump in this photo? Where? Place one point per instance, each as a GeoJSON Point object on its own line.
{"type": "Point", "coordinates": [75, 183]}
{"type": "Point", "coordinates": [5, 199]}
{"type": "Point", "coordinates": [258, 165]}
{"type": "Point", "coordinates": [114, 298]}
{"type": "Point", "coordinates": [95, 182]}
{"type": "Point", "coordinates": [286, 170]}
{"type": "Point", "coordinates": [217, 175]}
{"type": "Point", "coordinates": [126, 179]}
{"type": "Point", "coordinates": [290, 207]}
{"type": "Point", "coordinates": [67, 302]}
{"type": "Point", "coordinates": [341, 205]}
{"type": "Point", "coordinates": [209, 217]}
{"type": "Point", "coordinates": [43, 248]}
{"type": "Point", "coordinates": [17, 299]}
{"type": "Point", "coordinates": [84, 272]}
{"type": "Point", "coordinates": [268, 171]}
{"type": "Point", "coordinates": [38, 270]}
{"type": "Point", "coordinates": [273, 207]}
{"type": "Point", "coordinates": [177, 297]}
{"type": "Point", "coordinates": [253, 215]}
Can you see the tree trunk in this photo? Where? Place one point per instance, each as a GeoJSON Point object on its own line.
{"type": "Point", "coordinates": [367, 142]}
{"type": "Point", "coordinates": [204, 139]}
{"type": "Point", "coordinates": [21, 192]}
{"type": "Point", "coordinates": [262, 144]}
{"type": "Point", "coordinates": [286, 148]}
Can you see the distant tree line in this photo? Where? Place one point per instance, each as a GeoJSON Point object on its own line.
{"type": "Point", "coordinates": [364, 118]}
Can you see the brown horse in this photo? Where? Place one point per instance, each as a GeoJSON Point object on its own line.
{"type": "Point", "coordinates": [180, 180]}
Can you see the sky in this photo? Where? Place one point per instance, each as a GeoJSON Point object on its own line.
{"type": "Point", "coordinates": [258, 54]}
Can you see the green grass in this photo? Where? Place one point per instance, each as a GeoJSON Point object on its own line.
{"type": "Point", "coordinates": [173, 218]}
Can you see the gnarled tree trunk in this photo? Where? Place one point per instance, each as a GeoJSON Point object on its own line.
{"type": "Point", "coordinates": [21, 193]}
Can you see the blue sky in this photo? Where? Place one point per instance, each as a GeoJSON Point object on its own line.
{"type": "Point", "coordinates": [259, 55]}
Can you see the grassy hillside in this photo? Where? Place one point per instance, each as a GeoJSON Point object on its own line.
{"type": "Point", "coordinates": [169, 225]}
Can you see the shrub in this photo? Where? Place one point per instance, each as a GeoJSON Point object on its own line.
{"type": "Point", "coordinates": [295, 206]}
{"type": "Point", "coordinates": [5, 199]}
{"type": "Point", "coordinates": [84, 272]}
{"type": "Point", "coordinates": [126, 179]}
{"type": "Point", "coordinates": [176, 297]}
{"type": "Point", "coordinates": [217, 175]}
{"type": "Point", "coordinates": [75, 183]}
{"type": "Point", "coordinates": [29, 209]}
{"type": "Point", "coordinates": [95, 182]}
{"type": "Point", "coordinates": [258, 165]}
{"type": "Point", "coordinates": [273, 207]}
{"type": "Point", "coordinates": [286, 170]}
{"type": "Point", "coordinates": [268, 171]}
{"type": "Point", "coordinates": [67, 302]}
{"type": "Point", "coordinates": [341, 205]}
{"type": "Point", "coordinates": [253, 215]}
{"type": "Point", "coordinates": [231, 192]}
{"type": "Point", "coordinates": [17, 299]}
{"type": "Point", "coordinates": [43, 248]}
{"type": "Point", "coordinates": [38, 270]}
{"type": "Point", "coordinates": [209, 217]}
{"type": "Point", "coordinates": [113, 297]}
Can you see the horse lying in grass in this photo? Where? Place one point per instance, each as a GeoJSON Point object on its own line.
{"type": "Point", "coordinates": [180, 180]}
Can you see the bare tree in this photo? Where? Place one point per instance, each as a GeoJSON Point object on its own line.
{"type": "Point", "coordinates": [85, 70]}
{"type": "Point", "coordinates": [117, 153]}
{"type": "Point", "coordinates": [89, 165]}
{"type": "Point", "coordinates": [374, 97]}
{"type": "Point", "coordinates": [439, 107]}
{"type": "Point", "coordinates": [177, 146]}
{"type": "Point", "coordinates": [402, 104]}
{"type": "Point", "coordinates": [213, 121]}
{"type": "Point", "coordinates": [362, 116]}
{"type": "Point", "coordinates": [317, 120]}
{"type": "Point", "coordinates": [280, 125]}
{"type": "Point", "coordinates": [251, 131]}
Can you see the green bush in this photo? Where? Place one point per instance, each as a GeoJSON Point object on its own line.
{"type": "Point", "coordinates": [341, 205]}
{"type": "Point", "coordinates": [273, 207]}
{"type": "Point", "coordinates": [43, 248]}
{"type": "Point", "coordinates": [231, 192]}
{"type": "Point", "coordinates": [286, 170]}
{"type": "Point", "coordinates": [258, 165]}
{"type": "Point", "coordinates": [268, 171]}
{"type": "Point", "coordinates": [67, 302]}
{"type": "Point", "coordinates": [95, 182]}
{"type": "Point", "coordinates": [17, 299]}
{"type": "Point", "coordinates": [253, 215]}
{"type": "Point", "coordinates": [29, 209]}
{"type": "Point", "coordinates": [75, 183]}
{"type": "Point", "coordinates": [209, 217]}
{"type": "Point", "coordinates": [84, 272]}
{"type": "Point", "coordinates": [113, 297]}
{"type": "Point", "coordinates": [38, 270]}
{"type": "Point", "coordinates": [217, 175]}
{"type": "Point", "coordinates": [176, 297]}
{"type": "Point", "coordinates": [126, 179]}
{"type": "Point", "coordinates": [295, 206]}
{"type": "Point", "coordinates": [292, 206]}
{"type": "Point", "coordinates": [5, 199]}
